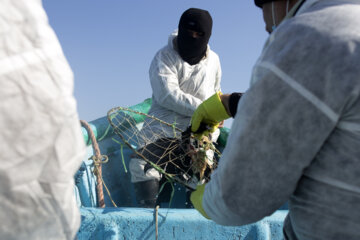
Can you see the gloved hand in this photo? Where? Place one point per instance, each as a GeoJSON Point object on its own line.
{"type": "Point", "coordinates": [196, 198]}
{"type": "Point", "coordinates": [211, 112]}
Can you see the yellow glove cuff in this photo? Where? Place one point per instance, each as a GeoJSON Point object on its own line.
{"type": "Point", "coordinates": [215, 107]}
{"type": "Point", "coordinates": [210, 112]}
{"type": "Point", "coordinates": [196, 198]}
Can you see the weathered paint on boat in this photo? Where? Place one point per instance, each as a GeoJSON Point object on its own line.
{"type": "Point", "coordinates": [137, 223]}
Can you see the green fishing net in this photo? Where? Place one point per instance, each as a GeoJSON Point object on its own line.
{"type": "Point", "coordinates": [176, 154]}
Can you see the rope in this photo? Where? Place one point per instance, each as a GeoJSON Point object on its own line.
{"type": "Point", "coordinates": [98, 160]}
{"type": "Point", "coordinates": [156, 223]}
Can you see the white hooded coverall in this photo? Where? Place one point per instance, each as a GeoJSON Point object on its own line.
{"type": "Point", "coordinates": [178, 89]}
{"type": "Point", "coordinates": [41, 144]}
{"type": "Point", "coordinates": [296, 134]}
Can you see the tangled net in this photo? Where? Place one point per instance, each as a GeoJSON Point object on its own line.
{"type": "Point", "coordinates": [178, 156]}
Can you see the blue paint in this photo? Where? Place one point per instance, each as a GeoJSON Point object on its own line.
{"type": "Point", "coordinates": [138, 223]}
{"type": "Point", "coordinates": [85, 183]}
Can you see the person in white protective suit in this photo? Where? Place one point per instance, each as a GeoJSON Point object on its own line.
{"type": "Point", "coordinates": [296, 133]}
{"type": "Point", "coordinates": [41, 144]}
{"type": "Point", "coordinates": [182, 75]}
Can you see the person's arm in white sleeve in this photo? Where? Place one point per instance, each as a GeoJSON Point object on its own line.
{"type": "Point", "coordinates": [165, 86]}
{"type": "Point", "coordinates": [41, 143]}
{"type": "Point", "coordinates": [277, 131]}
{"type": "Point", "coordinates": [218, 76]}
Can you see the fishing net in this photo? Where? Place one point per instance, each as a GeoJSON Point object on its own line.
{"type": "Point", "coordinates": [177, 155]}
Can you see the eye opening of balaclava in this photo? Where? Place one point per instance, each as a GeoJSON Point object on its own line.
{"type": "Point", "coordinates": [191, 49]}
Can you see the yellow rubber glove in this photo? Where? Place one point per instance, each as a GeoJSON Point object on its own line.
{"type": "Point", "coordinates": [211, 112]}
{"type": "Point", "coordinates": [196, 198]}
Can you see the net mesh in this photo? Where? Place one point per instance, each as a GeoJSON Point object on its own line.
{"type": "Point", "coordinates": [176, 154]}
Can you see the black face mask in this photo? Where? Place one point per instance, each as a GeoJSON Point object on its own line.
{"type": "Point", "coordinates": [260, 3]}
{"type": "Point", "coordinates": [191, 49]}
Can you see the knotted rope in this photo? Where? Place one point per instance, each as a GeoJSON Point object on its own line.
{"type": "Point", "coordinates": [156, 222]}
{"type": "Point", "coordinates": [98, 160]}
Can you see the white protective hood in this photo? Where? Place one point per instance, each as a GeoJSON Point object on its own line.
{"type": "Point", "coordinates": [41, 144]}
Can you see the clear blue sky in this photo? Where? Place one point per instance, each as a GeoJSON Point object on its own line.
{"type": "Point", "coordinates": [110, 44]}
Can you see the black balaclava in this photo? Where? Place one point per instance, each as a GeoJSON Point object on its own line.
{"type": "Point", "coordinates": [259, 3]}
{"type": "Point", "coordinates": [192, 50]}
